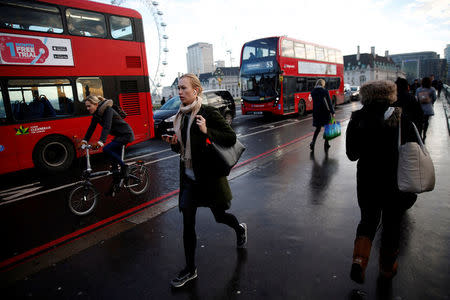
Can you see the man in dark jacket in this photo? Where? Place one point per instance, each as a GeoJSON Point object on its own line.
{"type": "Point", "coordinates": [410, 106]}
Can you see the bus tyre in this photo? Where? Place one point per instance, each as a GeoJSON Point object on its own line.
{"type": "Point", "coordinates": [53, 153]}
{"type": "Point", "coordinates": [301, 107]}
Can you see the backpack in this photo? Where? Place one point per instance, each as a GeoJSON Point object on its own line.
{"type": "Point", "coordinates": [120, 111]}
{"type": "Point", "coordinates": [424, 97]}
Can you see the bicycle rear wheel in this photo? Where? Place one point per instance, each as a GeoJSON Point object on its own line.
{"type": "Point", "coordinates": [83, 199]}
{"type": "Point", "coordinates": [138, 180]}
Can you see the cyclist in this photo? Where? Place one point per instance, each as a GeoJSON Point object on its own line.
{"type": "Point", "coordinates": [103, 113]}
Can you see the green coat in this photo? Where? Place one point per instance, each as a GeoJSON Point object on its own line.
{"type": "Point", "coordinates": [217, 192]}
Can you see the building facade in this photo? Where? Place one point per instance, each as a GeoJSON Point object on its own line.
{"type": "Point", "coordinates": [362, 67]}
{"type": "Point", "coordinates": [199, 58]}
{"type": "Point", "coordinates": [447, 57]}
{"type": "Point", "coordinates": [222, 78]}
{"type": "Point", "coordinates": [421, 64]}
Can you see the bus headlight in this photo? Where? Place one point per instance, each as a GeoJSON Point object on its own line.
{"type": "Point", "coordinates": [275, 103]}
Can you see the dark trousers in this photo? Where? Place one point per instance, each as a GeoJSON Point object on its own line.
{"type": "Point", "coordinates": [316, 134]}
{"type": "Point", "coordinates": [391, 219]}
{"type": "Point", "coordinates": [426, 122]}
{"type": "Point", "coordinates": [190, 237]}
{"type": "Point", "coordinates": [114, 152]}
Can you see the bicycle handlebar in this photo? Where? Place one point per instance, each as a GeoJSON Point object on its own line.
{"type": "Point", "coordinates": [86, 146]}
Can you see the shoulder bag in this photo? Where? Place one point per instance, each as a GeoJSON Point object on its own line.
{"type": "Point", "coordinates": [415, 171]}
{"type": "Point", "coordinates": [228, 156]}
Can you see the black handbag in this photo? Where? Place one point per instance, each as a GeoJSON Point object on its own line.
{"type": "Point", "coordinates": [227, 157]}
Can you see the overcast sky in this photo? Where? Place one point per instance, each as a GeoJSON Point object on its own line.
{"type": "Point", "coordinates": [398, 26]}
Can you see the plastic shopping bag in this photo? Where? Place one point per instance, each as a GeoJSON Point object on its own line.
{"type": "Point", "coordinates": [332, 129]}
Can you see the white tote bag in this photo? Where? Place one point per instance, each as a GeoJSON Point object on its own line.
{"type": "Point", "coordinates": [415, 172]}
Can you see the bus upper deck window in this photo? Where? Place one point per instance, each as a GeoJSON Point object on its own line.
{"type": "Point", "coordinates": [30, 16]}
{"type": "Point", "coordinates": [85, 23]}
{"type": "Point", "coordinates": [121, 28]}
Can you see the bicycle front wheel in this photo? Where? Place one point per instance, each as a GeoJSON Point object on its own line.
{"type": "Point", "coordinates": [83, 199]}
{"type": "Point", "coordinates": [138, 180]}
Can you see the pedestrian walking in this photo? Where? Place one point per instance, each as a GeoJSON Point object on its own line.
{"type": "Point", "coordinates": [409, 104]}
{"type": "Point", "coordinates": [440, 85]}
{"type": "Point", "coordinates": [197, 125]}
{"type": "Point", "coordinates": [426, 96]}
{"type": "Point", "coordinates": [414, 86]}
{"type": "Point", "coordinates": [322, 111]}
{"type": "Point", "coordinates": [372, 138]}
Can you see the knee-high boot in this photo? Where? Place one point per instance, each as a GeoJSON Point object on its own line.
{"type": "Point", "coordinates": [388, 263]}
{"type": "Point", "coordinates": [361, 254]}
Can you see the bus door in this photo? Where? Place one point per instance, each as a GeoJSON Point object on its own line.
{"type": "Point", "coordinates": [289, 89]}
{"type": "Point", "coordinates": [8, 147]}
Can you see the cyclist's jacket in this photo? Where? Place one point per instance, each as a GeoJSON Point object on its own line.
{"type": "Point", "coordinates": [112, 124]}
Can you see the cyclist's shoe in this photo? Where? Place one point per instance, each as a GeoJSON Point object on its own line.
{"type": "Point", "coordinates": [113, 190]}
{"type": "Point", "coordinates": [184, 276]}
{"type": "Point", "coordinates": [124, 171]}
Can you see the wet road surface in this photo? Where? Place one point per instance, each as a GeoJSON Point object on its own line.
{"type": "Point", "coordinates": [301, 212]}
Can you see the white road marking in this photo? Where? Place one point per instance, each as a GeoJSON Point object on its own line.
{"type": "Point", "coordinates": [18, 187]}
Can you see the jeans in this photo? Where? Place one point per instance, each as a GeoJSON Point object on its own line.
{"type": "Point", "coordinates": [114, 151]}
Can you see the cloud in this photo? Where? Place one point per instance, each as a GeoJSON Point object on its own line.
{"type": "Point", "coordinates": [399, 27]}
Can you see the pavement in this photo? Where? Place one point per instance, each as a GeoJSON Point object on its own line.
{"type": "Point", "coordinates": [301, 212]}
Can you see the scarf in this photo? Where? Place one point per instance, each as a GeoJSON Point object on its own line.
{"type": "Point", "coordinates": [178, 123]}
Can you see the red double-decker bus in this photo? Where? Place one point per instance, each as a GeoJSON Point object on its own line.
{"type": "Point", "coordinates": [52, 55]}
{"type": "Point", "coordinates": [279, 73]}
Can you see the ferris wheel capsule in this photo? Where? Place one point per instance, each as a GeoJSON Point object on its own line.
{"type": "Point", "coordinates": [165, 36]}
{"type": "Point", "coordinates": [163, 24]}
{"type": "Point", "coordinates": [155, 3]}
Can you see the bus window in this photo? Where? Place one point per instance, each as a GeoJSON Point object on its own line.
{"type": "Point", "coordinates": [249, 53]}
{"type": "Point", "coordinates": [339, 57]}
{"type": "Point", "coordinates": [331, 55]}
{"type": "Point", "coordinates": [287, 48]}
{"type": "Point", "coordinates": [301, 84]}
{"type": "Point", "coordinates": [30, 16]}
{"type": "Point", "coordinates": [121, 28]}
{"type": "Point", "coordinates": [299, 50]}
{"type": "Point", "coordinates": [34, 99]}
{"type": "Point", "coordinates": [2, 106]}
{"type": "Point", "coordinates": [320, 55]}
{"type": "Point", "coordinates": [89, 86]}
{"type": "Point", "coordinates": [310, 52]}
{"type": "Point", "coordinates": [85, 23]}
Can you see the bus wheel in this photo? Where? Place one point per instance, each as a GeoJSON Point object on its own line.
{"type": "Point", "coordinates": [301, 107]}
{"type": "Point", "coordinates": [53, 153]}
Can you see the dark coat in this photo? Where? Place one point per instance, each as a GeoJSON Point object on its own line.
{"type": "Point", "coordinates": [215, 190]}
{"type": "Point", "coordinates": [373, 141]}
{"type": "Point", "coordinates": [321, 113]}
{"type": "Point", "coordinates": [112, 124]}
{"type": "Point", "coordinates": [410, 108]}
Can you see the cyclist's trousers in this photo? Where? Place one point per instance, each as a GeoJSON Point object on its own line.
{"type": "Point", "coordinates": [114, 151]}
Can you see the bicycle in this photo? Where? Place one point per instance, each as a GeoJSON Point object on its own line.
{"type": "Point", "coordinates": [83, 197]}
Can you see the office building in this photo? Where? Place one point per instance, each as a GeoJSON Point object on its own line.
{"type": "Point", "coordinates": [421, 64]}
{"type": "Point", "coordinates": [200, 58]}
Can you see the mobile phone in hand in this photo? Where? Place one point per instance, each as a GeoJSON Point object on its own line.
{"type": "Point", "coordinates": [167, 136]}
